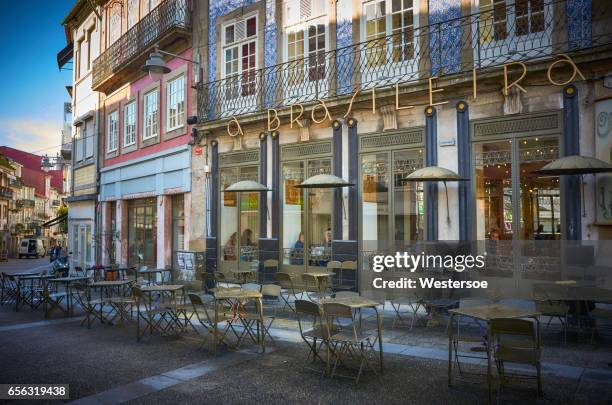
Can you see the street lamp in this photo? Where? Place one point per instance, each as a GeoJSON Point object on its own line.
{"type": "Point", "coordinates": [155, 65]}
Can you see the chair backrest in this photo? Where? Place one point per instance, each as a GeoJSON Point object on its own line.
{"type": "Point", "coordinates": [335, 310]}
{"type": "Point", "coordinates": [310, 281]}
{"type": "Point", "coordinates": [284, 280]}
{"type": "Point", "coordinates": [137, 293]}
{"type": "Point", "coordinates": [334, 264]}
{"type": "Point", "coordinates": [307, 308]}
{"type": "Point", "coordinates": [198, 303]}
{"type": "Point", "coordinates": [271, 263]}
{"type": "Point", "coordinates": [349, 265]}
{"type": "Point", "coordinates": [271, 290]}
{"type": "Point", "coordinates": [514, 327]}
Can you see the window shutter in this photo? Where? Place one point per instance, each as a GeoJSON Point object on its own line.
{"type": "Point", "coordinates": [240, 30]}
{"type": "Point", "coordinates": [305, 8]}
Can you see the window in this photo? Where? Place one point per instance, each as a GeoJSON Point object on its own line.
{"type": "Point", "coordinates": [88, 138]}
{"type": "Point", "coordinates": [80, 50]}
{"type": "Point", "coordinates": [129, 124]}
{"type": "Point", "coordinates": [384, 18]}
{"type": "Point", "coordinates": [240, 55]}
{"type": "Point", "coordinates": [78, 144]}
{"type": "Point", "coordinates": [132, 13]}
{"type": "Point", "coordinates": [89, 44]}
{"type": "Point", "coordinates": [175, 103]}
{"type": "Point", "coordinates": [115, 24]}
{"type": "Point", "coordinates": [502, 18]}
{"type": "Point", "coordinates": [113, 131]}
{"type": "Point", "coordinates": [306, 23]}
{"type": "Point", "coordinates": [151, 119]}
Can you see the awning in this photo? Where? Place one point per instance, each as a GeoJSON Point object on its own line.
{"type": "Point", "coordinates": [65, 55]}
{"type": "Point", "coordinates": [55, 221]}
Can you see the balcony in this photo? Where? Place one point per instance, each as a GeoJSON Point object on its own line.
{"type": "Point", "coordinates": [484, 41]}
{"type": "Point", "coordinates": [6, 193]}
{"type": "Point", "coordinates": [55, 203]}
{"type": "Point", "coordinates": [167, 23]}
{"type": "Point", "coordinates": [26, 203]}
{"type": "Point", "coordinates": [17, 182]}
{"type": "Point", "coordinates": [42, 215]}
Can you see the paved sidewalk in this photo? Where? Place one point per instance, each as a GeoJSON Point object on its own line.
{"type": "Point", "coordinates": [106, 365]}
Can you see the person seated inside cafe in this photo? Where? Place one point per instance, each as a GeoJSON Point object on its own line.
{"type": "Point", "coordinates": [297, 255]}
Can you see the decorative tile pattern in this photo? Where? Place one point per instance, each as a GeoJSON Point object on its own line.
{"type": "Point", "coordinates": [344, 38]}
{"type": "Point", "coordinates": [579, 29]}
{"type": "Point", "coordinates": [220, 8]}
{"type": "Point", "coordinates": [445, 36]}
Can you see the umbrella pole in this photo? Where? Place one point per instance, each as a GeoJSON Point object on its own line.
{"type": "Point", "coordinates": [582, 195]}
{"type": "Point", "coordinates": [447, 209]}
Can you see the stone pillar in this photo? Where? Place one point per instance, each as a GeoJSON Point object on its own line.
{"type": "Point", "coordinates": [106, 231]}
{"type": "Point", "coordinates": [187, 209]}
{"type": "Point", "coordinates": [122, 227]}
{"type": "Point", "coordinates": [164, 231]}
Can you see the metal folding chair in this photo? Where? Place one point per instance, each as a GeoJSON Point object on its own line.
{"type": "Point", "coordinates": [92, 307]}
{"type": "Point", "coordinates": [158, 319]}
{"type": "Point", "coordinates": [350, 343]}
{"type": "Point", "coordinates": [204, 314]}
{"type": "Point", "coordinates": [288, 289]}
{"type": "Point", "coordinates": [313, 332]}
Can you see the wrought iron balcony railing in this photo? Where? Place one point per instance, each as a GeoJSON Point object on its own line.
{"type": "Point", "coordinates": [26, 203]}
{"type": "Point", "coordinates": [17, 182]}
{"type": "Point", "coordinates": [483, 40]}
{"type": "Point", "coordinates": [6, 192]}
{"type": "Point", "coordinates": [168, 17]}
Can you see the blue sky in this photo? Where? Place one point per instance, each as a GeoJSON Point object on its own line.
{"type": "Point", "coordinates": [32, 88]}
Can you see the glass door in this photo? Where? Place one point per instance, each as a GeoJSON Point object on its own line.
{"type": "Point", "coordinates": [392, 208]}
{"type": "Point", "coordinates": [307, 217]}
{"type": "Point", "coordinates": [239, 233]}
{"type": "Point", "coordinates": [142, 232]}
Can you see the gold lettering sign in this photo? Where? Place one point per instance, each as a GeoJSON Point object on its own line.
{"type": "Point", "coordinates": [564, 59]}
{"type": "Point", "coordinates": [350, 107]}
{"type": "Point", "coordinates": [271, 120]}
{"type": "Point", "coordinates": [397, 106]}
{"type": "Point", "coordinates": [474, 82]}
{"type": "Point", "coordinates": [432, 91]}
{"type": "Point", "coordinates": [517, 81]}
{"type": "Point", "coordinates": [296, 119]}
{"type": "Point", "coordinates": [314, 109]}
{"type": "Point", "coordinates": [373, 100]}
{"type": "Point", "coordinates": [237, 129]}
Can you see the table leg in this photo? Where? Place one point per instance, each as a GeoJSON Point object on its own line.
{"type": "Point", "coordinates": [450, 350]}
{"type": "Point", "coordinates": [489, 371]}
{"type": "Point", "coordinates": [216, 327]}
{"type": "Point", "coordinates": [380, 342]}
{"type": "Point", "coordinates": [261, 335]}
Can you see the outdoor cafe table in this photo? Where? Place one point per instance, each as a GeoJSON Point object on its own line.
{"type": "Point", "coordinates": [321, 278]}
{"type": "Point", "coordinates": [108, 286]}
{"type": "Point", "coordinates": [357, 303]}
{"type": "Point", "coordinates": [236, 296]}
{"type": "Point", "coordinates": [150, 272]}
{"type": "Point", "coordinates": [27, 295]}
{"type": "Point", "coordinates": [243, 274]}
{"type": "Point", "coordinates": [67, 281]}
{"type": "Point", "coordinates": [486, 313]}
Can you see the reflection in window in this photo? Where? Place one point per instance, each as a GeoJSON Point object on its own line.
{"type": "Point", "coordinates": [493, 162]}
{"type": "Point", "coordinates": [540, 195]}
{"type": "Point", "coordinates": [239, 234]}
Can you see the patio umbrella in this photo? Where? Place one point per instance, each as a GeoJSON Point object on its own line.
{"type": "Point", "coordinates": [436, 173]}
{"type": "Point", "coordinates": [575, 165]}
{"type": "Point", "coordinates": [324, 181]}
{"type": "Point", "coordinates": [249, 186]}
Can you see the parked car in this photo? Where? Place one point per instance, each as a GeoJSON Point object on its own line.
{"type": "Point", "coordinates": [31, 247]}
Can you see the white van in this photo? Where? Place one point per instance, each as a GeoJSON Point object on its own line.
{"type": "Point", "coordinates": [31, 248]}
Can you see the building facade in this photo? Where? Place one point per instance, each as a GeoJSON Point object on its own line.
{"type": "Point", "coordinates": [368, 91]}
{"type": "Point", "coordinates": [145, 173]}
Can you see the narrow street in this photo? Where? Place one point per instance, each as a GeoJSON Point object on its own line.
{"type": "Point", "coordinates": [25, 265]}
